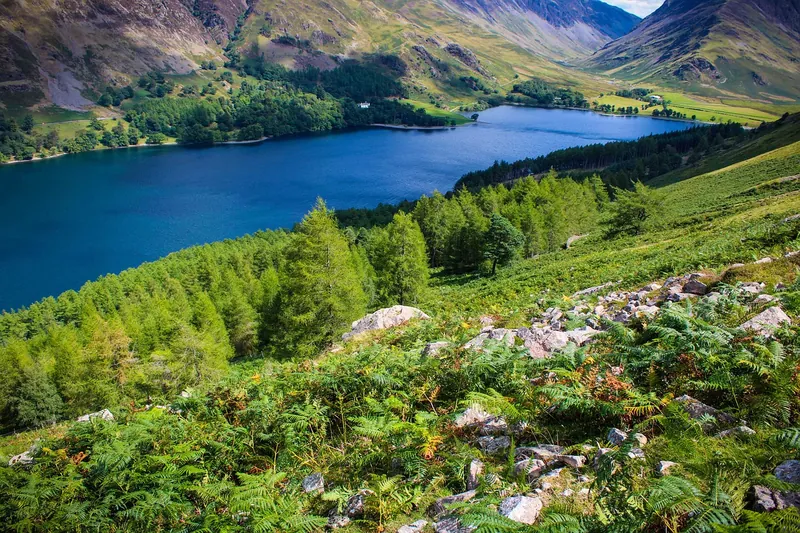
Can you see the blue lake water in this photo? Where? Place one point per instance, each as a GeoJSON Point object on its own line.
{"type": "Point", "coordinates": [71, 219]}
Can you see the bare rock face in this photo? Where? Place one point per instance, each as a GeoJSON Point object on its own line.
{"type": "Point", "coordinates": [767, 321]}
{"type": "Point", "coordinates": [384, 319]}
{"type": "Point", "coordinates": [522, 509]}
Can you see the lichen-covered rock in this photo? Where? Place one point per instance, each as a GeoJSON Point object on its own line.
{"type": "Point", "coordinates": [735, 432]}
{"type": "Point", "coordinates": [451, 524]}
{"type": "Point", "coordinates": [767, 321]}
{"type": "Point", "coordinates": [616, 436]}
{"type": "Point", "coordinates": [105, 414]}
{"type": "Point", "coordinates": [440, 506]}
{"type": "Point", "coordinates": [384, 319]}
{"type": "Point", "coordinates": [545, 452]}
{"type": "Point", "coordinates": [433, 348]}
{"type": "Point", "coordinates": [573, 461]}
{"type": "Point", "coordinates": [765, 500]}
{"type": "Point", "coordinates": [314, 483]}
{"type": "Point", "coordinates": [474, 472]}
{"type": "Point", "coordinates": [531, 468]}
{"type": "Point", "coordinates": [542, 342]}
{"type": "Point", "coordinates": [493, 445]}
{"type": "Point", "coordinates": [23, 459]}
{"type": "Point", "coordinates": [500, 335]}
{"type": "Point", "coordinates": [522, 509]}
{"type": "Point", "coordinates": [476, 418]}
{"type": "Point", "coordinates": [697, 409]}
{"type": "Point", "coordinates": [788, 471]}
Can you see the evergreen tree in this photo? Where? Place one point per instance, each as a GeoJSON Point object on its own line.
{"type": "Point", "coordinates": [400, 261]}
{"type": "Point", "coordinates": [321, 293]}
{"type": "Point", "coordinates": [503, 241]}
{"type": "Point", "coordinates": [634, 211]}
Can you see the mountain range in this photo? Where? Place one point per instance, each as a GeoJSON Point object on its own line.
{"type": "Point", "coordinates": [746, 47]}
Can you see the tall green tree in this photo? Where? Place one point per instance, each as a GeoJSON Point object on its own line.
{"type": "Point", "coordinates": [321, 293]}
{"type": "Point", "coordinates": [634, 211]}
{"type": "Point", "coordinates": [400, 261]}
{"type": "Point", "coordinates": [503, 241]}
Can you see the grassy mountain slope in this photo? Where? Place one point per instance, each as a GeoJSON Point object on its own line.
{"type": "Point", "coordinates": [716, 47]}
{"type": "Point", "coordinates": [378, 417]}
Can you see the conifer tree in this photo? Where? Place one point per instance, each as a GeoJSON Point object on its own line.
{"type": "Point", "coordinates": [400, 261]}
{"type": "Point", "coordinates": [321, 293]}
{"type": "Point", "coordinates": [503, 241]}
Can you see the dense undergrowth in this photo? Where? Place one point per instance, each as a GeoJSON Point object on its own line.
{"type": "Point", "coordinates": [376, 414]}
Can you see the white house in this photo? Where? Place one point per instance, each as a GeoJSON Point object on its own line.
{"type": "Point", "coordinates": [655, 98]}
{"type": "Point", "coordinates": [364, 105]}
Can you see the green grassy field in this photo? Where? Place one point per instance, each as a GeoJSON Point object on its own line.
{"type": "Point", "coordinates": [439, 112]}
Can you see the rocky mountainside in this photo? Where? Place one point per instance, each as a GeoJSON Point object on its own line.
{"type": "Point", "coordinates": [60, 50]}
{"type": "Point", "coordinates": [748, 47]}
{"type": "Point", "coordinates": [64, 52]}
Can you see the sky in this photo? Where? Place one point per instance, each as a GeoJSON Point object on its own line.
{"type": "Point", "coordinates": [637, 7]}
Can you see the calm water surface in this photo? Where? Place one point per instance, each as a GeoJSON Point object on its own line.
{"type": "Point", "coordinates": [71, 219]}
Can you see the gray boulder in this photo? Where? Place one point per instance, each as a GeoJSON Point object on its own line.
{"type": "Point", "coordinates": [542, 342]}
{"type": "Point", "coordinates": [500, 335]}
{"type": "Point", "coordinates": [767, 321]}
{"type": "Point", "coordinates": [384, 319]}
{"type": "Point", "coordinates": [476, 418]}
{"type": "Point", "coordinates": [697, 409]}
{"type": "Point", "coordinates": [531, 468]}
{"type": "Point", "coordinates": [616, 436]}
{"type": "Point", "coordinates": [788, 471]}
{"type": "Point", "coordinates": [354, 508]}
{"type": "Point", "coordinates": [440, 506]}
{"type": "Point", "coordinates": [572, 461]}
{"type": "Point", "coordinates": [451, 524]}
{"type": "Point", "coordinates": [433, 348]}
{"type": "Point", "coordinates": [493, 445]}
{"type": "Point", "coordinates": [105, 414]}
{"type": "Point", "coordinates": [695, 287]}
{"type": "Point", "coordinates": [314, 483]}
{"type": "Point", "coordinates": [23, 459]}
{"type": "Point", "coordinates": [522, 509]}
{"type": "Point", "coordinates": [544, 452]}
{"type": "Point", "coordinates": [765, 500]}
{"type": "Point", "coordinates": [416, 527]}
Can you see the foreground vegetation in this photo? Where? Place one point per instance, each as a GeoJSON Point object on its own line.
{"type": "Point", "coordinates": [238, 343]}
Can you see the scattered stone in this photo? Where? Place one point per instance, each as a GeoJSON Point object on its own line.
{"type": "Point", "coordinates": [647, 310]}
{"type": "Point", "coordinates": [416, 527]}
{"type": "Point", "coordinates": [440, 505]}
{"type": "Point", "coordinates": [384, 319]}
{"type": "Point", "coordinates": [584, 491]}
{"type": "Point", "coordinates": [593, 290]}
{"type": "Point", "coordinates": [522, 509]}
{"type": "Point", "coordinates": [451, 524]}
{"type": "Point", "coordinates": [474, 472]}
{"type": "Point", "coordinates": [433, 348]}
{"type": "Point", "coordinates": [788, 471]}
{"type": "Point", "coordinates": [767, 321]}
{"type": "Point", "coordinates": [751, 287]}
{"type": "Point", "coordinates": [713, 297]}
{"type": "Point", "coordinates": [664, 466]}
{"type": "Point", "coordinates": [616, 436]}
{"type": "Point", "coordinates": [542, 342]}
{"type": "Point", "coordinates": [763, 299]}
{"type": "Point", "coordinates": [476, 418]}
{"type": "Point", "coordinates": [652, 287]}
{"type": "Point", "coordinates": [573, 461]}
{"type": "Point", "coordinates": [581, 336]}
{"type": "Point", "coordinates": [23, 459]}
{"type": "Point", "coordinates": [314, 483]}
{"type": "Point", "coordinates": [494, 334]}
{"type": "Point", "coordinates": [338, 521]}
{"type": "Point", "coordinates": [678, 296]}
{"type": "Point", "coordinates": [532, 468]}
{"type": "Point", "coordinates": [544, 452]}
{"type": "Point", "coordinates": [765, 500]}
{"type": "Point", "coordinates": [487, 320]}
{"type": "Point", "coordinates": [636, 453]}
{"type": "Point", "coordinates": [695, 287]}
{"type": "Point", "coordinates": [764, 260]}
{"type": "Point", "coordinates": [494, 445]}
{"type": "Point", "coordinates": [735, 432]}
{"type": "Point", "coordinates": [567, 493]}
{"type": "Point", "coordinates": [583, 479]}
{"type": "Point", "coordinates": [641, 439]}
{"type": "Point", "coordinates": [105, 414]}
{"type": "Point", "coordinates": [698, 409]}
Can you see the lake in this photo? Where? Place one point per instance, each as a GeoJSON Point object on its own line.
{"type": "Point", "coordinates": [70, 219]}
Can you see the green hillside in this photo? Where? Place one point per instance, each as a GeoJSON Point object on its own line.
{"type": "Point", "coordinates": [228, 382]}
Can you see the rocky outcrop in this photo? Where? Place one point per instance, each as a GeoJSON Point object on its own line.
{"type": "Point", "coordinates": [697, 409]}
{"type": "Point", "coordinates": [439, 507]}
{"type": "Point", "coordinates": [384, 319]}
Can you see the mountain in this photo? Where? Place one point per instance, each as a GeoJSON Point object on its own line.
{"type": "Point", "coordinates": [64, 52]}
{"type": "Point", "coordinates": [746, 47]}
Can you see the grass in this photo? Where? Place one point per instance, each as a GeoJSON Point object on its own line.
{"type": "Point", "coordinates": [439, 112]}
